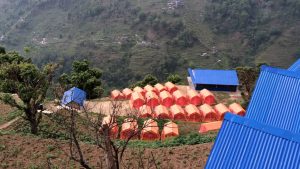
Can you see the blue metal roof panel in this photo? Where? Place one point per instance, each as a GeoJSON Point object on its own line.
{"type": "Point", "coordinates": [295, 67]}
{"type": "Point", "coordinates": [214, 77]}
{"type": "Point", "coordinates": [74, 95]}
{"type": "Point", "coordinates": [276, 100]}
{"type": "Point", "coordinates": [245, 143]}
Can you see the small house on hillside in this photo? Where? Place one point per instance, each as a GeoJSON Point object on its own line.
{"type": "Point", "coordinates": [74, 98]}
{"type": "Point", "coordinates": [214, 80]}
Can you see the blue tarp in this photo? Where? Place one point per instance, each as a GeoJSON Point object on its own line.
{"type": "Point", "coordinates": [244, 143]}
{"type": "Point", "coordinates": [214, 77]}
{"type": "Point", "coordinates": [74, 95]}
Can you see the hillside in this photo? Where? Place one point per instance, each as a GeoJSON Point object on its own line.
{"type": "Point", "coordinates": [155, 36]}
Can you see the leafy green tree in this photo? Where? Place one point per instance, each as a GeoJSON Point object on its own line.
{"type": "Point", "coordinates": [21, 77]}
{"type": "Point", "coordinates": [83, 77]}
{"type": "Point", "coordinates": [2, 50]}
{"type": "Point", "coordinates": [174, 78]}
{"type": "Point", "coordinates": [148, 79]}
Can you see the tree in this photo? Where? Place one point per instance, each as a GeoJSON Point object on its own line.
{"type": "Point", "coordinates": [174, 78]}
{"type": "Point", "coordinates": [83, 77]}
{"type": "Point", "coordinates": [21, 77]}
{"type": "Point", "coordinates": [247, 77]}
{"type": "Point", "coordinates": [2, 50]}
{"type": "Point", "coordinates": [101, 126]}
{"type": "Point", "coordinates": [148, 79]}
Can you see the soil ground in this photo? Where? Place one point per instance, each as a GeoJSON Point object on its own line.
{"type": "Point", "coordinates": [29, 152]}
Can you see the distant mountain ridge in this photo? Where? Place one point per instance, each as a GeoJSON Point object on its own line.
{"type": "Point", "coordinates": [130, 38]}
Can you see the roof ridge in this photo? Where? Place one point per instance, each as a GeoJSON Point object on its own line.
{"type": "Point", "coordinates": [280, 71]}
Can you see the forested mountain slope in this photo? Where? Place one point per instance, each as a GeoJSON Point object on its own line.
{"type": "Point", "coordinates": [130, 38]}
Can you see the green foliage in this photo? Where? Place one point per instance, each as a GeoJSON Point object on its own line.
{"type": "Point", "coordinates": [2, 50]}
{"type": "Point", "coordinates": [83, 77]}
{"type": "Point", "coordinates": [186, 39]}
{"type": "Point", "coordinates": [21, 77]}
{"type": "Point", "coordinates": [148, 80]}
{"type": "Point", "coordinates": [174, 78]}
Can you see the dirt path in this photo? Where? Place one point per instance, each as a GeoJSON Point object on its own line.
{"type": "Point", "coordinates": [5, 125]}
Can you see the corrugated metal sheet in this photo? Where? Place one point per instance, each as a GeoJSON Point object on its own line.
{"type": "Point", "coordinates": [214, 77]}
{"type": "Point", "coordinates": [276, 100]}
{"type": "Point", "coordinates": [296, 66]}
{"type": "Point", "coordinates": [243, 143]}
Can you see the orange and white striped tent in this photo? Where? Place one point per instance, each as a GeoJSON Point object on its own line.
{"type": "Point", "coordinates": [206, 127]}
{"type": "Point", "coordinates": [170, 130]}
{"type": "Point", "coordinates": [221, 109]}
{"type": "Point", "coordinates": [193, 113]}
{"type": "Point", "coordinates": [161, 112]}
{"type": "Point", "coordinates": [129, 129]}
{"type": "Point", "coordinates": [117, 95]}
{"type": "Point", "coordinates": [237, 109]}
{"type": "Point", "coordinates": [111, 124]}
{"type": "Point", "coordinates": [166, 98]}
{"type": "Point", "coordinates": [159, 87]}
{"type": "Point", "coordinates": [207, 97]}
{"type": "Point", "coordinates": [152, 99]}
{"type": "Point", "coordinates": [194, 97]}
{"type": "Point", "coordinates": [137, 100]}
{"type": "Point", "coordinates": [149, 88]}
{"type": "Point", "coordinates": [171, 87]}
{"type": "Point", "coordinates": [179, 98]}
{"type": "Point", "coordinates": [145, 112]}
{"type": "Point", "coordinates": [150, 130]}
{"type": "Point", "coordinates": [177, 113]}
{"type": "Point", "coordinates": [208, 113]}
{"type": "Point", "coordinates": [139, 90]}
{"type": "Point", "coordinates": [127, 93]}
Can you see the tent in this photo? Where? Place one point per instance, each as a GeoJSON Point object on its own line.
{"type": "Point", "coordinates": [117, 95]}
{"type": "Point", "coordinates": [150, 130]}
{"type": "Point", "coordinates": [109, 122]}
{"type": "Point", "coordinates": [159, 87]}
{"type": "Point", "coordinates": [206, 127]}
{"type": "Point", "coordinates": [161, 112]}
{"type": "Point", "coordinates": [145, 112]}
{"type": "Point", "coordinates": [194, 97]}
{"type": "Point", "coordinates": [129, 129]}
{"type": "Point", "coordinates": [179, 98]}
{"type": "Point", "coordinates": [127, 93]}
{"type": "Point", "coordinates": [207, 97]}
{"type": "Point", "coordinates": [74, 97]}
{"type": "Point", "coordinates": [177, 113]}
{"type": "Point", "coordinates": [193, 114]}
{"type": "Point", "coordinates": [149, 88]}
{"type": "Point", "coordinates": [171, 87]}
{"type": "Point", "coordinates": [139, 90]}
{"type": "Point", "coordinates": [170, 130]}
{"type": "Point", "coordinates": [208, 113]}
{"type": "Point", "coordinates": [137, 100]}
{"type": "Point", "coordinates": [152, 99]}
{"type": "Point", "coordinates": [237, 109]}
{"type": "Point", "coordinates": [166, 98]}
{"type": "Point", "coordinates": [220, 110]}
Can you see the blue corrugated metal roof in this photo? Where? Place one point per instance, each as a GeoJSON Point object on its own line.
{"type": "Point", "coordinates": [295, 66]}
{"type": "Point", "coordinates": [276, 99]}
{"type": "Point", "coordinates": [214, 77]}
{"type": "Point", "coordinates": [74, 95]}
{"type": "Point", "coordinates": [245, 143]}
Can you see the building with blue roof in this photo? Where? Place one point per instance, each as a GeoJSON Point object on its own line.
{"type": "Point", "coordinates": [74, 98]}
{"type": "Point", "coordinates": [215, 80]}
{"type": "Point", "coordinates": [295, 66]}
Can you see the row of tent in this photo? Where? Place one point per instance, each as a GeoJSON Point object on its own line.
{"type": "Point", "coordinates": [269, 135]}
{"type": "Point", "coordinates": [149, 131]}
{"type": "Point", "coordinates": [203, 113]}
{"type": "Point", "coordinates": [166, 95]}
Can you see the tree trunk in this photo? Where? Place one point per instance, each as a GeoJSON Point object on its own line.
{"type": "Point", "coordinates": [33, 127]}
{"type": "Point", "coordinates": [111, 162]}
